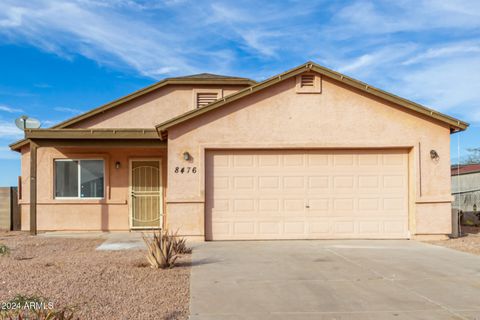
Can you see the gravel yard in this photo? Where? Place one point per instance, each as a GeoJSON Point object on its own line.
{"type": "Point", "coordinates": [470, 242]}
{"type": "Point", "coordinates": [99, 284]}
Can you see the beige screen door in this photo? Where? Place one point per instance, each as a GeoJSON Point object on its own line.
{"type": "Point", "coordinates": [145, 193]}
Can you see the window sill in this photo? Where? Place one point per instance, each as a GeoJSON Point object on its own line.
{"type": "Point", "coordinates": [77, 201]}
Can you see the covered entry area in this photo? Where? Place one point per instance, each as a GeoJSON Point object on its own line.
{"type": "Point", "coordinates": [94, 180]}
{"type": "Point", "coordinates": [306, 194]}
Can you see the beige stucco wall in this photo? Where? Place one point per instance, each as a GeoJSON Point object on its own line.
{"type": "Point", "coordinates": [111, 213]}
{"type": "Point", "coordinates": [153, 108]}
{"type": "Point", "coordinates": [339, 117]}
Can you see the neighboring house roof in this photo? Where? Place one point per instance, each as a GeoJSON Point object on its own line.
{"type": "Point", "coordinates": [455, 124]}
{"type": "Point", "coordinates": [465, 169]}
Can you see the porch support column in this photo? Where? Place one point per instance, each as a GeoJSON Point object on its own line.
{"type": "Point", "coordinates": [33, 187]}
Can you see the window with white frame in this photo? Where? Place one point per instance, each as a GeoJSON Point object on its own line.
{"type": "Point", "coordinates": [79, 178]}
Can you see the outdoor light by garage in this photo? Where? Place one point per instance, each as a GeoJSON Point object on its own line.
{"type": "Point", "coordinates": [186, 156]}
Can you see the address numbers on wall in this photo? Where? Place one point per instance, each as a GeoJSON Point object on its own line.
{"type": "Point", "coordinates": [185, 170]}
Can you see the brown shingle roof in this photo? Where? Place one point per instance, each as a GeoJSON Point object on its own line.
{"type": "Point", "coordinates": [208, 76]}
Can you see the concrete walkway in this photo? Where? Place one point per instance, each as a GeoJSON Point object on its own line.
{"type": "Point", "coordinates": [333, 280]}
{"type": "Point", "coordinates": [113, 241]}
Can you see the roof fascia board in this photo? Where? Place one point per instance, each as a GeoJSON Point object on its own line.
{"type": "Point", "coordinates": [452, 122]}
{"type": "Point", "coordinates": [104, 143]}
{"type": "Point", "coordinates": [230, 98]}
{"type": "Point", "coordinates": [149, 89]}
{"type": "Point", "coordinates": [91, 134]}
{"type": "Point", "coordinates": [391, 97]}
{"type": "Point", "coordinates": [18, 144]}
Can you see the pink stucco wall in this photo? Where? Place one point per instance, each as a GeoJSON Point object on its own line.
{"type": "Point", "coordinates": [111, 213]}
{"type": "Point", "coordinates": [153, 108]}
{"type": "Point", "coordinates": [339, 117]}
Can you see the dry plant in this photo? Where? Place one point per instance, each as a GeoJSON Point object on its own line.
{"type": "Point", "coordinates": [180, 244]}
{"type": "Point", "coordinates": [34, 308]}
{"type": "Point", "coordinates": [160, 250]}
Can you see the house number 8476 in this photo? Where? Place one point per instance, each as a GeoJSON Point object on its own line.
{"type": "Point", "coordinates": [183, 170]}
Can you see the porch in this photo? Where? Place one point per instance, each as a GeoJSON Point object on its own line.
{"type": "Point", "coordinates": [93, 180]}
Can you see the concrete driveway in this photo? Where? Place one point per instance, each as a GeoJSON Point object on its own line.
{"type": "Point", "coordinates": [333, 280]}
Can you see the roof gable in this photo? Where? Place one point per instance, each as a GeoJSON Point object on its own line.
{"type": "Point", "coordinates": [455, 124]}
{"type": "Point", "coordinates": [198, 79]}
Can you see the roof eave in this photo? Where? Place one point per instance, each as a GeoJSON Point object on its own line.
{"type": "Point", "coordinates": [455, 124]}
{"type": "Point", "coordinates": [110, 133]}
{"type": "Point", "coordinates": [155, 86]}
{"type": "Point", "coordinates": [16, 146]}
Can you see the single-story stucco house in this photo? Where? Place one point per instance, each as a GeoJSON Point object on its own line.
{"type": "Point", "coordinates": [307, 154]}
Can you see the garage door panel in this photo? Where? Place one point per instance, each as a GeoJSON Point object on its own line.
{"type": "Point", "coordinates": [295, 227]}
{"type": "Point", "coordinates": [293, 160]}
{"type": "Point", "coordinates": [344, 227]}
{"type": "Point", "coordinates": [298, 194]}
{"type": "Point", "coordinates": [319, 227]}
{"type": "Point", "coordinates": [368, 204]}
{"type": "Point", "coordinates": [294, 205]}
{"type": "Point", "coordinates": [343, 160]}
{"type": "Point", "coordinates": [369, 227]}
{"type": "Point", "coordinates": [268, 183]}
{"type": "Point", "coordinates": [318, 182]}
{"type": "Point", "coordinates": [269, 228]}
{"type": "Point", "coordinates": [243, 161]}
{"type": "Point", "coordinates": [395, 226]}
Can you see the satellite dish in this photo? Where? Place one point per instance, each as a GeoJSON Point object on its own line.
{"type": "Point", "coordinates": [25, 122]}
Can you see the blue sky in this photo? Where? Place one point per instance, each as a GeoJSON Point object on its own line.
{"type": "Point", "coordinates": [60, 58]}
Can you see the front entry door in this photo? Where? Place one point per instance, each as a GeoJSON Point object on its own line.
{"type": "Point", "coordinates": [145, 193]}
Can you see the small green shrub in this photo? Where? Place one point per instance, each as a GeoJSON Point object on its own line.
{"type": "Point", "coordinates": [4, 250]}
{"type": "Point", "coordinates": [160, 250]}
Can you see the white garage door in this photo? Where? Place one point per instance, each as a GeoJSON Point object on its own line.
{"type": "Point", "coordinates": [299, 194]}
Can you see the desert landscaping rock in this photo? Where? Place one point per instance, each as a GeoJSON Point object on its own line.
{"type": "Point", "coordinates": [100, 284]}
{"type": "Point", "coordinates": [470, 242]}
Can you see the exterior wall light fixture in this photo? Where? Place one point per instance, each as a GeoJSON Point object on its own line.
{"type": "Point", "coordinates": [186, 156]}
{"type": "Point", "coordinates": [434, 155]}
{"type": "Point", "coordinates": [117, 165]}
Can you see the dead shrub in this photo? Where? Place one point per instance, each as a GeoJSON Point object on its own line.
{"type": "Point", "coordinates": [160, 250]}
{"type": "Point", "coordinates": [180, 244]}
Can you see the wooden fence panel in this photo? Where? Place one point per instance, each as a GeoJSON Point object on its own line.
{"type": "Point", "coordinates": [9, 209]}
{"type": "Point", "coordinates": [15, 210]}
{"type": "Point", "coordinates": [5, 205]}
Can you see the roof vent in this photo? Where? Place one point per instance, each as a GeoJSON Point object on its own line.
{"type": "Point", "coordinates": [309, 82]}
{"type": "Point", "coordinates": [205, 98]}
